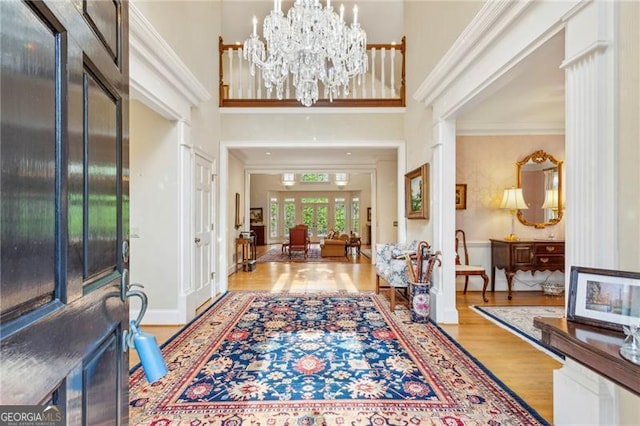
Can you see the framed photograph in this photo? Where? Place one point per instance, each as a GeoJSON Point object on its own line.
{"type": "Point", "coordinates": [604, 298]}
{"type": "Point", "coordinates": [416, 193]}
{"type": "Point", "coordinates": [255, 215]}
{"type": "Point", "coordinates": [461, 196]}
{"type": "Point", "coordinates": [368, 214]}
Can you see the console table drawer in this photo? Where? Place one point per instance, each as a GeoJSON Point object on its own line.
{"type": "Point", "coordinates": [549, 249]}
{"type": "Point", "coordinates": [548, 260]}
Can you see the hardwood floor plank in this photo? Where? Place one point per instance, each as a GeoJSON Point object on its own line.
{"type": "Point", "coordinates": [523, 368]}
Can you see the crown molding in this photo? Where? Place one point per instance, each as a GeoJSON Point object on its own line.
{"type": "Point", "coordinates": [488, 24]}
{"type": "Point", "coordinates": [466, 128]}
{"type": "Point", "coordinates": [158, 77]}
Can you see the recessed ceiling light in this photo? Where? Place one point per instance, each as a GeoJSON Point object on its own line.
{"type": "Point", "coordinates": [267, 153]}
{"type": "Point", "coordinates": [348, 153]}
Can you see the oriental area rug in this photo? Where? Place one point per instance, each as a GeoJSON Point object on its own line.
{"type": "Point", "coordinates": [519, 321]}
{"type": "Point", "coordinates": [256, 358]}
{"type": "Point", "coordinates": [276, 254]}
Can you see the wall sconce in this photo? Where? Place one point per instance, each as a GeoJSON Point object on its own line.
{"type": "Point", "coordinates": [513, 200]}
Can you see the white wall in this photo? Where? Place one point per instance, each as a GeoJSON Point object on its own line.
{"type": "Point", "coordinates": [154, 206]}
{"type": "Point", "coordinates": [629, 125]}
{"type": "Point", "coordinates": [189, 28]}
{"type": "Point", "coordinates": [629, 158]}
{"type": "Point", "coordinates": [487, 165]}
{"type": "Point", "coordinates": [386, 212]}
{"type": "Point", "coordinates": [431, 28]}
{"type": "Point", "coordinates": [235, 185]}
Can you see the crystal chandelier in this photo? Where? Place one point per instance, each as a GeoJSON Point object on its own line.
{"type": "Point", "coordinates": [313, 44]}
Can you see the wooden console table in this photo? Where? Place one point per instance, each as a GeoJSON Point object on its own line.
{"type": "Point", "coordinates": [523, 255]}
{"type": "Point", "coordinates": [594, 347]}
{"type": "Point", "coordinates": [245, 251]}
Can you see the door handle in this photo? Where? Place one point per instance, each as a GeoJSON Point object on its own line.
{"type": "Point", "coordinates": [197, 240]}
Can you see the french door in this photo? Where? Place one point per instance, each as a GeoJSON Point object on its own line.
{"type": "Point", "coordinates": [64, 182]}
{"type": "Point", "coordinates": [315, 214]}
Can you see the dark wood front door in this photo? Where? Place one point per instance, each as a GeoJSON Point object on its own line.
{"type": "Point", "coordinates": [64, 187]}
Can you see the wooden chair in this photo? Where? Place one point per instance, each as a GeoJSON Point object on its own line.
{"type": "Point", "coordinates": [464, 269]}
{"type": "Point", "coordinates": [298, 240]}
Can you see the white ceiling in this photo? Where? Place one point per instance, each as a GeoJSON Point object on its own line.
{"type": "Point", "coordinates": [528, 100]}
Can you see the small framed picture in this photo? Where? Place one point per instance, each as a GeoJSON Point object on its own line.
{"type": "Point", "coordinates": [461, 196]}
{"type": "Point", "coordinates": [368, 214]}
{"type": "Point", "coordinates": [416, 193]}
{"type": "Point", "coordinates": [255, 215]}
{"type": "Point", "coordinates": [604, 298]}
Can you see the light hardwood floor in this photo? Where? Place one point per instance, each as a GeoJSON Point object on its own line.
{"type": "Point", "coordinates": [526, 370]}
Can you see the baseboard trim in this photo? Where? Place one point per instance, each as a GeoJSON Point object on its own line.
{"type": "Point", "coordinates": [158, 316]}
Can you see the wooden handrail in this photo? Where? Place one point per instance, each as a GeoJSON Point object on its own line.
{"type": "Point", "coordinates": [227, 101]}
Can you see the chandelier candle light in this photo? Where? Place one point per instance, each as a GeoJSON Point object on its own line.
{"type": "Point", "coordinates": [312, 44]}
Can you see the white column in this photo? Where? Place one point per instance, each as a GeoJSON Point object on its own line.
{"type": "Point", "coordinates": [442, 191]}
{"type": "Point", "coordinates": [185, 224]}
{"type": "Point", "coordinates": [580, 395]}
{"type": "Point", "coordinates": [591, 144]}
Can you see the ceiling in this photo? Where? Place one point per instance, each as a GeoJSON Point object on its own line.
{"type": "Point", "coordinates": [529, 99]}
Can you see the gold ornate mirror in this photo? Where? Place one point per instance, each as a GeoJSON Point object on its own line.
{"type": "Point", "coordinates": [540, 177]}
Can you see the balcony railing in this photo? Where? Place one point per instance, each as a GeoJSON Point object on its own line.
{"type": "Point", "coordinates": [382, 86]}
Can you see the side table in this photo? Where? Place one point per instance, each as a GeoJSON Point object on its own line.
{"type": "Point", "coordinates": [352, 242]}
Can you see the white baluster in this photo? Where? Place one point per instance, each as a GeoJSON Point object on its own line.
{"type": "Point", "coordinates": [373, 73]}
{"type": "Point", "coordinates": [240, 74]}
{"type": "Point", "coordinates": [230, 54]}
{"type": "Point", "coordinates": [383, 54]}
{"type": "Point", "coordinates": [393, 66]}
{"type": "Point", "coordinates": [288, 88]}
{"type": "Point", "coordinates": [363, 81]}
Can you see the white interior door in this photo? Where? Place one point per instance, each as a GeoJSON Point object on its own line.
{"type": "Point", "coordinates": [203, 223]}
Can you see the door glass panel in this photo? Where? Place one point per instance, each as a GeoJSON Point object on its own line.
{"type": "Point", "coordinates": [308, 218]}
{"type": "Point", "coordinates": [322, 222]}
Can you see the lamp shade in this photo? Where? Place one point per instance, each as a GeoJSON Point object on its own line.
{"type": "Point", "coordinates": [550, 199]}
{"type": "Point", "coordinates": [512, 199]}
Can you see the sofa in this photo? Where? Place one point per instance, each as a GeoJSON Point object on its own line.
{"type": "Point", "coordinates": [392, 268]}
{"type": "Point", "coordinates": [334, 244]}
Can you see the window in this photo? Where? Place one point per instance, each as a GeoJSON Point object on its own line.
{"type": "Point", "coordinates": [273, 217]}
{"type": "Point", "coordinates": [314, 177]}
{"type": "Point", "coordinates": [289, 214]}
{"type": "Point", "coordinates": [288, 179]}
{"type": "Point", "coordinates": [340, 214]}
{"type": "Point", "coordinates": [355, 215]}
{"type": "Point", "coordinates": [342, 179]}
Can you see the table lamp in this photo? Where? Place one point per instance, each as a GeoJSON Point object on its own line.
{"type": "Point", "coordinates": [551, 201]}
{"type": "Point", "coordinates": [513, 200]}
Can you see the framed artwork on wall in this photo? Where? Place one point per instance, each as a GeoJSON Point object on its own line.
{"type": "Point", "coordinates": [416, 187]}
{"type": "Point", "coordinates": [604, 298]}
{"type": "Point", "coordinates": [461, 196]}
{"type": "Point", "coordinates": [368, 214]}
{"type": "Point", "coordinates": [255, 215]}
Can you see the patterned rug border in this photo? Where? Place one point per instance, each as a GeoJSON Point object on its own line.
{"type": "Point", "coordinates": [480, 310]}
{"type": "Point", "coordinates": [451, 339]}
{"type": "Point", "coordinates": [490, 373]}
